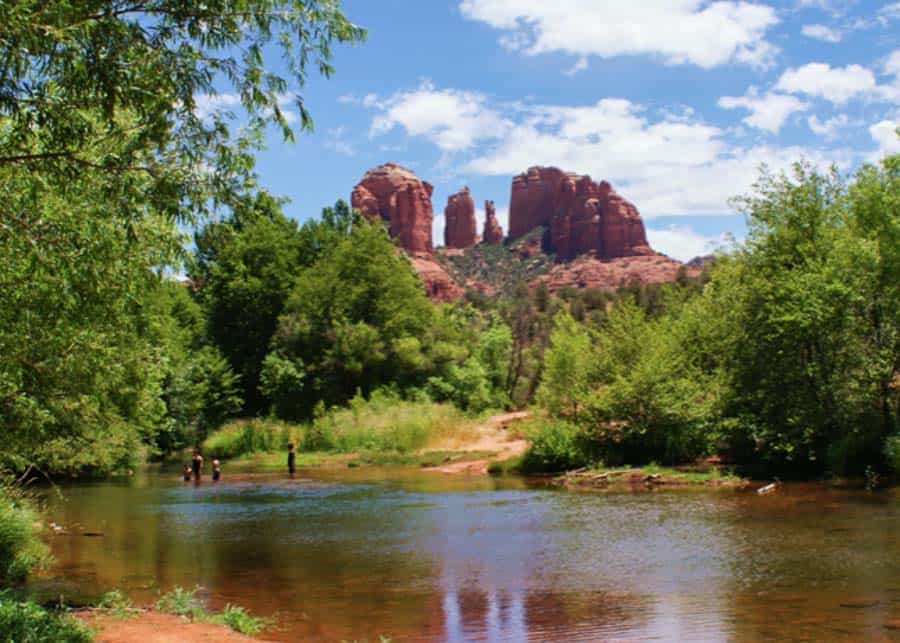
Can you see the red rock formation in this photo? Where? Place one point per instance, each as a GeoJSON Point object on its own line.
{"type": "Point", "coordinates": [439, 285]}
{"type": "Point", "coordinates": [583, 216]}
{"type": "Point", "coordinates": [402, 200]}
{"type": "Point", "coordinates": [589, 272]}
{"type": "Point", "coordinates": [493, 233]}
{"type": "Point", "coordinates": [459, 220]}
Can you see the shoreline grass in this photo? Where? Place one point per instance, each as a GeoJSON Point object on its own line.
{"type": "Point", "coordinates": [381, 431]}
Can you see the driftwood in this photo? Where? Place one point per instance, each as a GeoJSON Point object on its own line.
{"type": "Point", "coordinates": [769, 488]}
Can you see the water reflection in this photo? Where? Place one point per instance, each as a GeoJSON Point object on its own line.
{"type": "Point", "coordinates": [450, 558]}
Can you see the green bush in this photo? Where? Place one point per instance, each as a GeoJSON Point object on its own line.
{"type": "Point", "coordinates": [21, 549]}
{"type": "Point", "coordinates": [239, 620]}
{"type": "Point", "coordinates": [181, 602]}
{"type": "Point", "coordinates": [892, 452]}
{"type": "Point", "coordinates": [26, 622]}
{"type": "Point", "coordinates": [556, 445]}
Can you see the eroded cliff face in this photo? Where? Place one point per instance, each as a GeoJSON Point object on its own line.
{"type": "Point", "coordinates": [402, 200]}
{"type": "Point", "coordinates": [596, 234]}
{"type": "Point", "coordinates": [460, 230]}
{"type": "Point", "coordinates": [493, 233]}
{"type": "Point", "coordinates": [583, 216]}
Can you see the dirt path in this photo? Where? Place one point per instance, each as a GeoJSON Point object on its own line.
{"type": "Point", "coordinates": [493, 436]}
{"type": "Point", "coordinates": [154, 627]}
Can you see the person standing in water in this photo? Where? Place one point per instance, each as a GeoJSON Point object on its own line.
{"type": "Point", "coordinates": [197, 464]}
{"type": "Point", "coordinates": [292, 459]}
{"type": "Point", "coordinates": [187, 472]}
{"type": "Point", "coordinates": [217, 470]}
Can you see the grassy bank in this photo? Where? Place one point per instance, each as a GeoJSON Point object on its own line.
{"type": "Point", "coordinates": [21, 552]}
{"type": "Point", "coordinates": [381, 430]}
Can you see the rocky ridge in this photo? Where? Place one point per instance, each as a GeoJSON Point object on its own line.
{"type": "Point", "coordinates": [565, 230]}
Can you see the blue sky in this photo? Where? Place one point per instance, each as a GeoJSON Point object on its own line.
{"type": "Point", "coordinates": [675, 102]}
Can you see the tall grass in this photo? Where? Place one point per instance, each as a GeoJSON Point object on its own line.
{"type": "Point", "coordinates": [246, 437]}
{"type": "Point", "coordinates": [382, 423]}
{"type": "Point", "coordinates": [21, 548]}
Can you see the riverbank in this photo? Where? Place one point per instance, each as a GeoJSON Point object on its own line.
{"type": "Point", "coordinates": [648, 477]}
{"type": "Point", "coordinates": [434, 437]}
{"type": "Point", "coordinates": [151, 626]}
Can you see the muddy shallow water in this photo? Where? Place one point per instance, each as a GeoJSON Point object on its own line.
{"type": "Point", "coordinates": [417, 556]}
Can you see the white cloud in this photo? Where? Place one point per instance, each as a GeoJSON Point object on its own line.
{"type": "Point", "coordinates": [892, 64]}
{"type": "Point", "coordinates": [683, 243]}
{"type": "Point", "coordinates": [205, 105]}
{"type": "Point", "coordinates": [680, 31]}
{"type": "Point", "coordinates": [836, 84]}
{"type": "Point", "coordinates": [668, 163]}
{"type": "Point", "coordinates": [885, 136]}
{"type": "Point", "coordinates": [830, 127]}
{"type": "Point", "coordinates": [452, 119]}
{"type": "Point", "coordinates": [666, 166]}
{"type": "Point", "coordinates": [580, 65]}
{"type": "Point", "coordinates": [821, 32]}
{"type": "Point", "coordinates": [336, 141]}
{"type": "Point", "coordinates": [768, 112]}
{"type": "Point", "coordinates": [890, 11]}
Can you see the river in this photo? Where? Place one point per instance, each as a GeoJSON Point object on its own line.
{"type": "Point", "coordinates": [409, 555]}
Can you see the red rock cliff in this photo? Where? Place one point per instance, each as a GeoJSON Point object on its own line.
{"type": "Point", "coordinates": [459, 220]}
{"type": "Point", "coordinates": [583, 216]}
{"type": "Point", "coordinates": [493, 233]}
{"type": "Point", "coordinates": [402, 200]}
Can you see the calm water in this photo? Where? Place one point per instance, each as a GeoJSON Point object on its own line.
{"type": "Point", "coordinates": [431, 557]}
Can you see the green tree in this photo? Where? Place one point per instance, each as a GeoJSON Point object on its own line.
{"type": "Point", "coordinates": [244, 269]}
{"type": "Point", "coordinates": [568, 369]}
{"type": "Point", "coordinates": [353, 321]}
{"type": "Point", "coordinates": [106, 147]}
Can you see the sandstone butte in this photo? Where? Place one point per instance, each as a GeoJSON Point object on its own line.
{"type": "Point", "coordinates": [583, 216]}
{"type": "Point", "coordinates": [402, 200]}
{"type": "Point", "coordinates": [493, 233]}
{"type": "Point", "coordinates": [597, 235]}
{"type": "Point", "coordinates": [460, 230]}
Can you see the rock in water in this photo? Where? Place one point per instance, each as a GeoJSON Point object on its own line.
{"type": "Point", "coordinates": [493, 233]}
{"type": "Point", "coordinates": [583, 216]}
{"type": "Point", "coordinates": [402, 200]}
{"type": "Point", "coordinates": [459, 216]}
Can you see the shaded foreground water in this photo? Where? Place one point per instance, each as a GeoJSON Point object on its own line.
{"type": "Point", "coordinates": [418, 556]}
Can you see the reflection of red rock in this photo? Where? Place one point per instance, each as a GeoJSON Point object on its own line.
{"type": "Point", "coordinates": [583, 216]}
{"type": "Point", "coordinates": [493, 233]}
{"type": "Point", "coordinates": [438, 283]}
{"type": "Point", "coordinates": [589, 272]}
{"type": "Point", "coordinates": [402, 200]}
{"type": "Point", "coordinates": [459, 220]}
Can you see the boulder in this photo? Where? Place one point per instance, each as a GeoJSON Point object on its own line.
{"type": "Point", "coordinates": [493, 233]}
{"type": "Point", "coordinates": [402, 200]}
{"type": "Point", "coordinates": [459, 220]}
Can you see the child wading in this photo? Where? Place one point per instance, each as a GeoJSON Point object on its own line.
{"type": "Point", "coordinates": [187, 472]}
{"type": "Point", "coordinates": [197, 464]}
{"type": "Point", "coordinates": [292, 459]}
{"type": "Point", "coordinates": [217, 469]}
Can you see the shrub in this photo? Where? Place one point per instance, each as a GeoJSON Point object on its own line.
{"type": "Point", "coordinates": [181, 602]}
{"type": "Point", "coordinates": [892, 452]}
{"type": "Point", "coordinates": [26, 622]}
{"type": "Point", "coordinates": [556, 445]}
{"type": "Point", "coordinates": [21, 549]}
{"type": "Point", "coordinates": [239, 620]}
